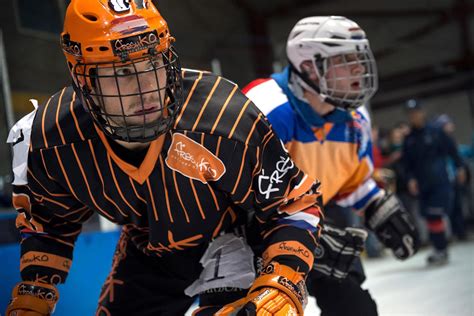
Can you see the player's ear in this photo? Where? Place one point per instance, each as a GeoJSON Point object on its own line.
{"type": "Point", "coordinates": [307, 67]}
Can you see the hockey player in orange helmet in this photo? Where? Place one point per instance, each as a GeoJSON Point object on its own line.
{"type": "Point", "coordinates": [180, 159]}
{"type": "Point", "coordinates": [123, 54]}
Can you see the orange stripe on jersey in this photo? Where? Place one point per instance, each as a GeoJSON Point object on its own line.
{"type": "Point", "coordinates": [166, 190]}
{"type": "Point", "coordinates": [71, 109]}
{"type": "Point", "coordinates": [223, 109]}
{"type": "Point", "coordinates": [253, 128]}
{"type": "Point", "coordinates": [245, 197]}
{"type": "Point", "coordinates": [77, 220]}
{"type": "Point", "coordinates": [261, 221]}
{"type": "Point", "coordinates": [47, 191]}
{"type": "Point", "coordinates": [196, 197]}
{"type": "Point", "coordinates": [179, 197]}
{"type": "Point", "coordinates": [229, 211]}
{"type": "Point", "coordinates": [73, 234]}
{"type": "Point", "coordinates": [214, 197]}
{"type": "Point", "coordinates": [42, 219]}
{"type": "Point", "coordinates": [266, 208]}
{"type": "Point", "coordinates": [44, 259]}
{"type": "Point", "coordinates": [71, 213]}
{"type": "Point", "coordinates": [85, 180]}
{"type": "Point", "coordinates": [242, 163]}
{"type": "Point", "coordinates": [40, 199]}
{"type": "Point", "coordinates": [268, 233]}
{"type": "Point", "coordinates": [100, 176]}
{"type": "Point", "coordinates": [187, 242]}
{"type": "Point", "coordinates": [44, 166]}
{"type": "Point", "coordinates": [239, 117]}
{"type": "Point", "coordinates": [58, 240]}
{"type": "Point", "coordinates": [42, 123]}
{"type": "Point", "coordinates": [206, 103]}
{"type": "Point", "coordinates": [257, 162]}
{"type": "Point", "coordinates": [57, 116]}
{"type": "Point", "coordinates": [265, 142]}
{"type": "Point", "coordinates": [209, 187]}
{"type": "Point", "coordinates": [141, 173]}
{"type": "Point", "coordinates": [117, 186]}
{"type": "Point", "coordinates": [64, 173]}
{"type": "Point", "coordinates": [136, 192]}
{"type": "Point", "coordinates": [253, 174]}
{"type": "Point", "coordinates": [191, 92]}
{"type": "Point", "coordinates": [288, 248]}
{"type": "Point", "coordinates": [269, 134]}
{"type": "Point", "coordinates": [218, 146]}
{"type": "Point", "coordinates": [152, 200]}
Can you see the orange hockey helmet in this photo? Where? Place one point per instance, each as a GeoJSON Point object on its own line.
{"type": "Point", "coordinates": [122, 61]}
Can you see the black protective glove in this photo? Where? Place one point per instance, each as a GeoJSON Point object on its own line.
{"type": "Point", "coordinates": [393, 225]}
{"type": "Point", "coordinates": [337, 250]}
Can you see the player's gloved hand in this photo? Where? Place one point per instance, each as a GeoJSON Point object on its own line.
{"type": "Point", "coordinates": [32, 299]}
{"type": "Point", "coordinates": [393, 225]}
{"type": "Point", "coordinates": [337, 250]}
{"type": "Point", "coordinates": [279, 291]}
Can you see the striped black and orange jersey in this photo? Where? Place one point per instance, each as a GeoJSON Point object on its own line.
{"type": "Point", "coordinates": [220, 161]}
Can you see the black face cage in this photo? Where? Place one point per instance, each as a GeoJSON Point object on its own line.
{"type": "Point", "coordinates": [368, 79]}
{"type": "Point", "coordinates": [120, 123]}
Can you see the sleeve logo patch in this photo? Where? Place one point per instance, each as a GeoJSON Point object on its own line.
{"type": "Point", "coordinates": [193, 160]}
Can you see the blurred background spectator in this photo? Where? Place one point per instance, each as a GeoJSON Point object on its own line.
{"type": "Point", "coordinates": [460, 188]}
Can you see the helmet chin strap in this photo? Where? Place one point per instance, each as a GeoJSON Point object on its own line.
{"type": "Point", "coordinates": [299, 82]}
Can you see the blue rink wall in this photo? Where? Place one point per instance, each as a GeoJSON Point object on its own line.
{"type": "Point", "coordinates": [92, 261]}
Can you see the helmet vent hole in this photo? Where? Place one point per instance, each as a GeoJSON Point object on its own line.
{"type": "Point", "coordinates": [162, 35]}
{"type": "Point", "coordinates": [103, 48]}
{"type": "Point", "coordinates": [91, 17]}
{"type": "Point", "coordinates": [89, 49]}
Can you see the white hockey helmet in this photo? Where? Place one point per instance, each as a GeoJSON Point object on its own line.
{"type": "Point", "coordinates": [317, 39]}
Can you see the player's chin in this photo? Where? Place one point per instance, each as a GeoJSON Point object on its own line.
{"type": "Point", "coordinates": [143, 118]}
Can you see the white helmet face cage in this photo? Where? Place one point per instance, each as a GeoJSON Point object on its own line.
{"type": "Point", "coordinates": [348, 80]}
{"type": "Point", "coordinates": [135, 100]}
{"type": "Point", "coordinates": [342, 60]}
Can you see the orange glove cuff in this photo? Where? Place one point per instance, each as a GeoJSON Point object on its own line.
{"type": "Point", "coordinates": [286, 280]}
{"type": "Point", "coordinates": [33, 296]}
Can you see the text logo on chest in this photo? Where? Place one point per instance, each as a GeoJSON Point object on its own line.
{"type": "Point", "coordinates": [193, 160]}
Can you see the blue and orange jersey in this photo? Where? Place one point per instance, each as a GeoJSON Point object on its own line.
{"type": "Point", "coordinates": [336, 148]}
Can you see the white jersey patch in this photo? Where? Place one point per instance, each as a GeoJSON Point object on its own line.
{"type": "Point", "coordinates": [19, 137]}
{"type": "Point", "coordinates": [228, 263]}
{"type": "Point", "coordinates": [267, 96]}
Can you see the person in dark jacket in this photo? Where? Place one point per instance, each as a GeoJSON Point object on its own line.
{"type": "Point", "coordinates": [425, 153]}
